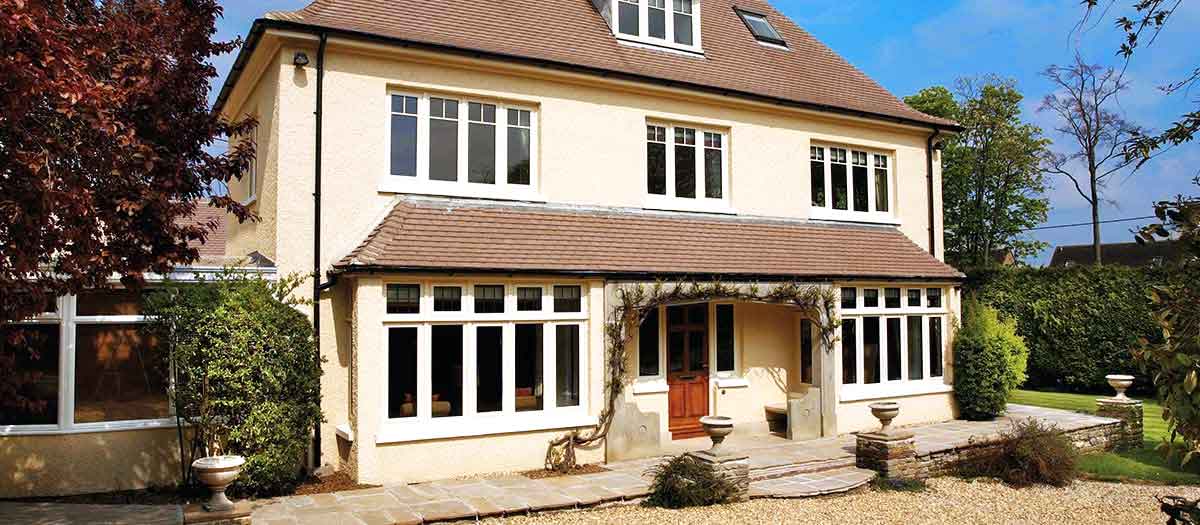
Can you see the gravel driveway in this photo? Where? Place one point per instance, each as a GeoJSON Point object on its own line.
{"type": "Point", "coordinates": [948, 500]}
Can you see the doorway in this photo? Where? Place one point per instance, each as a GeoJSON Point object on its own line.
{"type": "Point", "coordinates": [687, 369]}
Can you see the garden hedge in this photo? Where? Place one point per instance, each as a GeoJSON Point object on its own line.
{"type": "Point", "coordinates": [1080, 323]}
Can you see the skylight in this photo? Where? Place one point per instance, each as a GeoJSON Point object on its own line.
{"type": "Point", "coordinates": [762, 29]}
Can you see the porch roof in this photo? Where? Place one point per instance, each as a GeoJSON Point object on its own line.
{"type": "Point", "coordinates": [421, 234]}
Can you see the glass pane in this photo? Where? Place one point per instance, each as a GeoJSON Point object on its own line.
{"type": "Point", "coordinates": [685, 171]}
{"type": "Point", "coordinates": [915, 341]}
{"type": "Point", "coordinates": [849, 298]}
{"type": "Point", "coordinates": [567, 361]}
{"type": "Point", "coordinates": [870, 298]}
{"type": "Point", "coordinates": [489, 369]}
{"type": "Point", "coordinates": [403, 298]}
{"type": "Point", "coordinates": [518, 155]}
{"type": "Point", "coordinates": [627, 18]}
{"type": "Point", "coordinates": [529, 299]}
{"type": "Point", "coordinates": [109, 302]}
{"type": "Point", "coordinates": [656, 168]}
{"type": "Point", "coordinates": [447, 298]}
{"type": "Point", "coordinates": [481, 153]}
{"type": "Point", "coordinates": [489, 299]}
{"type": "Point", "coordinates": [566, 299]}
{"type": "Point", "coordinates": [935, 347]}
{"type": "Point", "coordinates": [402, 372]}
{"type": "Point", "coordinates": [446, 370]}
{"type": "Point", "coordinates": [871, 355]}
{"type": "Point", "coordinates": [914, 297]}
{"type": "Point", "coordinates": [675, 350]}
{"type": "Point", "coordinates": [933, 298]}
{"type": "Point", "coordinates": [806, 351]}
{"type": "Point", "coordinates": [725, 341]}
{"type": "Point", "coordinates": [683, 28]}
{"type": "Point", "coordinates": [404, 145]}
{"type": "Point", "coordinates": [443, 149]}
{"type": "Point", "coordinates": [648, 345]}
{"type": "Point", "coordinates": [712, 173]}
{"type": "Point", "coordinates": [849, 351]}
{"type": "Point", "coordinates": [658, 23]}
{"type": "Point", "coordinates": [29, 362]}
{"type": "Point", "coordinates": [120, 374]}
{"type": "Point", "coordinates": [529, 359]}
{"type": "Point", "coordinates": [817, 175]}
{"type": "Point", "coordinates": [881, 190]}
{"type": "Point", "coordinates": [860, 188]}
{"type": "Point", "coordinates": [697, 356]}
{"type": "Point", "coordinates": [893, 349]}
{"type": "Point", "coordinates": [891, 297]}
{"type": "Point", "coordinates": [838, 174]}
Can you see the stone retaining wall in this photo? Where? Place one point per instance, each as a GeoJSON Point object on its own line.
{"type": "Point", "coordinates": [1099, 438]}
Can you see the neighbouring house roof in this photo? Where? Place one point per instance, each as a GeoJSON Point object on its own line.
{"type": "Point", "coordinates": [571, 34]}
{"type": "Point", "coordinates": [1125, 254]}
{"type": "Point", "coordinates": [444, 235]}
{"type": "Point", "coordinates": [215, 244]}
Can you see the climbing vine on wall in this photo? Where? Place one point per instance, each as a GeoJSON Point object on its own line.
{"type": "Point", "coordinates": [633, 302]}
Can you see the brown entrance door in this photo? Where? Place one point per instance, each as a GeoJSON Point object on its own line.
{"type": "Point", "coordinates": [687, 369]}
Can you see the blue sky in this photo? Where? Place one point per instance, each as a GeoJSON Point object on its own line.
{"type": "Point", "coordinates": [906, 48]}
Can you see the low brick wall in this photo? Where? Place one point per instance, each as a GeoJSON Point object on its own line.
{"type": "Point", "coordinates": [1098, 438]}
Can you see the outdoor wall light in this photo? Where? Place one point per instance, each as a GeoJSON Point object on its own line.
{"type": "Point", "coordinates": [300, 59]}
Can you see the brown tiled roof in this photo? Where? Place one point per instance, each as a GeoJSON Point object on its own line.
{"type": "Point", "coordinates": [214, 246]}
{"type": "Point", "coordinates": [572, 33]}
{"type": "Point", "coordinates": [1124, 254]}
{"type": "Point", "coordinates": [449, 235]}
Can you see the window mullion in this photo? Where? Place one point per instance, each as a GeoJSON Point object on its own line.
{"type": "Point", "coordinates": [502, 146]}
{"type": "Point", "coordinates": [66, 363]}
{"type": "Point", "coordinates": [470, 374]}
{"type": "Point", "coordinates": [463, 128]}
{"type": "Point", "coordinates": [669, 142]}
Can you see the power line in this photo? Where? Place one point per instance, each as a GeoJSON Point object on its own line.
{"type": "Point", "coordinates": [1089, 223]}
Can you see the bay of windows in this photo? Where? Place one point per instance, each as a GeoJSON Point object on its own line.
{"type": "Point", "coordinates": [849, 184]}
{"type": "Point", "coordinates": [686, 166]}
{"type": "Point", "coordinates": [894, 343]}
{"type": "Point", "coordinates": [669, 23]}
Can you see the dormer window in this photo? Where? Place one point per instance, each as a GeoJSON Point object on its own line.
{"type": "Point", "coordinates": [666, 23]}
{"type": "Point", "coordinates": [761, 28]}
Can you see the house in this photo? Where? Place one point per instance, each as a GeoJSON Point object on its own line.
{"type": "Point", "coordinates": [1123, 253]}
{"type": "Point", "coordinates": [476, 184]}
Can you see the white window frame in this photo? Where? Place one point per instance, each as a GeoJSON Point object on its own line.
{"type": "Point", "coordinates": [421, 184]}
{"type": "Point", "coordinates": [700, 202]}
{"type": "Point", "coordinates": [423, 426]}
{"type": "Point", "coordinates": [252, 171]}
{"type": "Point", "coordinates": [872, 215]}
{"type": "Point", "coordinates": [643, 31]}
{"type": "Point", "coordinates": [860, 390]}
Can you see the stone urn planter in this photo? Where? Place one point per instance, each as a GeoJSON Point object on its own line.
{"type": "Point", "coordinates": [217, 473]}
{"type": "Point", "coordinates": [885, 412]}
{"type": "Point", "coordinates": [717, 427]}
{"type": "Point", "coordinates": [1119, 383]}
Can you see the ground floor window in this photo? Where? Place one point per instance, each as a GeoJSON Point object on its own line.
{"type": "Point", "coordinates": [893, 342]}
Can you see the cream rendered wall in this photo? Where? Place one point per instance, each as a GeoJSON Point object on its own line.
{"type": "Point", "coordinates": [856, 416]}
{"type": "Point", "coordinates": [261, 103]}
{"type": "Point", "coordinates": [83, 463]}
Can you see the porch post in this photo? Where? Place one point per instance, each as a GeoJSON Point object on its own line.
{"type": "Point", "coordinates": [830, 387]}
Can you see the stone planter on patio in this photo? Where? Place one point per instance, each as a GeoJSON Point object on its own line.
{"type": "Point", "coordinates": [217, 473]}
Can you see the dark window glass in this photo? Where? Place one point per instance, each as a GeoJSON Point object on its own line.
{"type": "Point", "coordinates": [761, 28]}
{"type": "Point", "coordinates": [881, 183]}
{"type": "Point", "coordinates": [446, 370]}
{"type": "Point", "coordinates": [933, 298]}
{"type": "Point", "coordinates": [914, 297]}
{"type": "Point", "coordinates": [481, 143]}
{"type": "Point", "coordinates": [529, 360]}
{"type": "Point", "coordinates": [817, 175]}
{"type": "Point", "coordinates": [489, 299]}
{"type": "Point", "coordinates": [849, 351]}
{"type": "Point", "coordinates": [627, 17]}
{"type": "Point", "coordinates": [403, 298]}
{"type": "Point", "coordinates": [402, 372]}
{"type": "Point", "coordinates": [657, 17]}
{"type": "Point", "coordinates": [870, 298]}
{"type": "Point", "coordinates": [725, 340]}
{"type": "Point", "coordinates": [915, 342]}
{"type": "Point", "coordinates": [861, 180]}
{"type": "Point", "coordinates": [404, 136]}
{"type": "Point", "coordinates": [837, 172]}
{"type": "Point", "coordinates": [120, 374]}
{"type": "Point", "coordinates": [713, 165]}
{"type": "Point", "coordinates": [518, 155]}
{"type": "Point", "coordinates": [683, 22]}
{"type": "Point", "coordinates": [806, 351]}
{"type": "Point", "coordinates": [529, 299]}
{"type": "Point", "coordinates": [849, 298]}
{"type": "Point", "coordinates": [443, 139]}
{"type": "Point", "coordinates": [30, 356]}
{"type": "Point", "coordinates": [489, 369]}
{"type": "Point", "coordinates": [871, 355]}
{"type": "Point", "coordinates": [648, 345]}
{"type": "Point", "coordinates": [893, 349]}
{"type": "Point", "coordinates": [935, 347]}
{"type": "Point", "coordinates": [656, 168]}
{"type": "Point", "coordinates": [566, 299]}
{"type": "Point", "coordinates": [891, 297]}
{"type": "Point", "coordinates": [567, 362]}
{"type": "Point", "coordinates": [685, 163]}
{"type": "Point", "coordinates": [447, 298]}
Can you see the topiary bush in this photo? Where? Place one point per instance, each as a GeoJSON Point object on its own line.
{"type": "Point", "coordinates": [246, 373]}
{"type": "Point", "coordinates": [1029, 453]}
{"type": "Point", "coordinates": [989, 361]}
{"type": "Point", "coordinates": [685, 481]}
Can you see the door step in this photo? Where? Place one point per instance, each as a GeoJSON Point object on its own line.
{"type": "Point", "coordinates": [808, 467]}
{"type": "Point", "coordinates": [834, 481]}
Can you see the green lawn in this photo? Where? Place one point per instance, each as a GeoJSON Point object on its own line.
{"type": "Point", "coordinates": [1144, 464]}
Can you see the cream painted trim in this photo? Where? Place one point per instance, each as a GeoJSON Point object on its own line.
{"type": "Point", "coordinates": [87, 428]}
{"type": "Point", "coordinates": [344, 431]}
{"type": "Point", "coordinates": [731, 382]}
{"type": "Point", "coordinates": [397, 431]}
{"type": "Point", "coordinates": [894, 389]}
{"type": "Point", "coordinates": [650, 385]}
{"type": "Point", "coordinates": [254, 71]}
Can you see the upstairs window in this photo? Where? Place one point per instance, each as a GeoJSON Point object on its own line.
{"type": "Point", "coordinates": [761, 28]}
{"type": "Point", "coordinates": [668, 23]}
{"type": "Point", "coordinates": [849, 184]}
{"type": "Point", "coordinates": [686, 167]}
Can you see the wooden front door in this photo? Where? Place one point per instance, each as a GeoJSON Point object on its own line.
{"type": "Point", "coordinates": [687, 369]}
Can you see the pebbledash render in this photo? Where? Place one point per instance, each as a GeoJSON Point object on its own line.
{"type": "Point", "coordinates": [490, 173]}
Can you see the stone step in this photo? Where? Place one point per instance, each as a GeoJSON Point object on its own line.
{"type": "Point", "coordinates": [835, 481]}
{"type": "Point", "coordinates": [808, 467]}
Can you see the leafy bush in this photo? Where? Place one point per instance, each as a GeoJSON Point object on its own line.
{"type": "Point", "coordinates": [989, 361]}
{"type": "Point", "coordinates": [685, 481]}
{"type": "Point", "coordinates": [247, 377]}
{"type": "Point", "coordinates": [1030, 453]}
{"type": "Point", "coordinates": [1080, 323]}
{"type": "Point", "coordinates": [900, 485]}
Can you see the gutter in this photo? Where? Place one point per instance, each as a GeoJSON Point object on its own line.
{"type": "Point", "coordinates": [641, 276]}
{"type": "Point", "coordinates": [929, 148]}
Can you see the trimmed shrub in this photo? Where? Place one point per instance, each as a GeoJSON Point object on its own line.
{"type": "Point", "coordinates": [687, 482]}
{"type": "Point", "coordinates": [1080, 323]}
{"type": "Point", "coordinates": [1029, 453]}
{"type": "Point", "coordinates": [989, 361]}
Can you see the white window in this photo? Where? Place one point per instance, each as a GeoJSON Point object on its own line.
{"type": "Point", "coordinates": [892, 341]}
{"type": "Point", "coordinates": [687, 168]}
{"type": "Point", "coordinates": [86, 366]}
{"type": "Point", "coordinates": [478, 358]}
{"type": "Point", "coordinates": [848, 184]}
{"type": "Point", "coordinates": [250, 176]}
{"type": "Point", "coordinates": [673, 24]}
{"type": "Point", "coordinates": [443, 145]}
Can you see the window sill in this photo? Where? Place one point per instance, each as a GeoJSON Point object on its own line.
{"type": "Point", "coordinates": [650, 385]}
{"type": "Point", "coordinates": [395, 431]}
{"type": "Point", "coordinates": [250, 200]}
{"type": "Point", "coordinates": [701, 205]}
{"type": "Point", "coordinates": [86, 428]}
{"type": "Point", "coordinates": [660, 44]}
{"type": "Point", "coordinates": [894, 389]}
{"type": "Point", "coordinates": [827, 214]}
{"type": "Point", "coordinates": [411, 185]}
{"type": "Point", "coordinates": [343, 431]}
{"type": "Point", "coordinates": [731, 382]}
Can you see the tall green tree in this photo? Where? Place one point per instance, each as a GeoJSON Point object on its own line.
{"type": "Point", "coordinates": [992, 183]}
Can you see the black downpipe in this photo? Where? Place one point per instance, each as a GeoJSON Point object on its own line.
{"type": "Point", "coordinates": [317, 229]}
{"type": "Point", "coordinates": [929, 147]}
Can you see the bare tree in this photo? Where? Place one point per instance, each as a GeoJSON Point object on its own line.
{"type": "Point", "coordinates": [1081, 100]}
